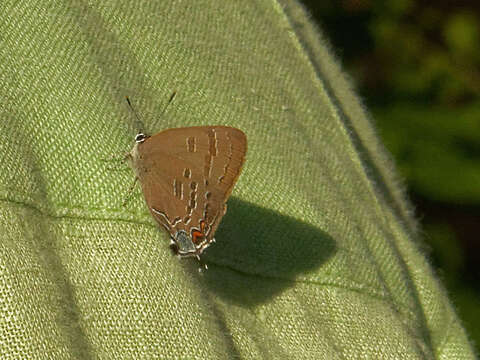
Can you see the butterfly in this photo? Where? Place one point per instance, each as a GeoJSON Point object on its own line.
{"type": "Point", "coordinates": [187, 175]}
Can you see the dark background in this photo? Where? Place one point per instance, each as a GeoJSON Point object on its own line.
{"type": "Point", "coordinates": [416, 65]}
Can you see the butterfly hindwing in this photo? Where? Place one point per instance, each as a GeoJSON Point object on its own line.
{"type": "Point", "coordinates": [187, 175]}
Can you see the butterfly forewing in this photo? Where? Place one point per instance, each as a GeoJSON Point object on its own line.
{"type": "Point", "coordinates": [187, 175]}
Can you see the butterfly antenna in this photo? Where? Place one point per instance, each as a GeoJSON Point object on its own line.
{"type": "Point", "coordinates": [169, 102]}
{"type": "Point", "coordinates": [139, 122]}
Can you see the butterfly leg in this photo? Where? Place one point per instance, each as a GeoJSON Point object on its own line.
{"type": "Point", "coordinates": [130, 191]}
{"type": "Point", "coordinates": [115, 159]}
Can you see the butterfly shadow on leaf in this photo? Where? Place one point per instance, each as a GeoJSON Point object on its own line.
{"type": "Point", "coordinates": [259, 253]}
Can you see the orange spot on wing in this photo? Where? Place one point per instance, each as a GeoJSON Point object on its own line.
{"type": "Point", "coordinates": [197, 235]}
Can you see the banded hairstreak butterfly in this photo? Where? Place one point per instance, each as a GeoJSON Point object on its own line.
{"type": "Point", "coordinates": [187, 175]}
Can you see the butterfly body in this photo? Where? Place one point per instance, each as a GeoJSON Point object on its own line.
{"type": "Point", "coordinates": [187, 175]}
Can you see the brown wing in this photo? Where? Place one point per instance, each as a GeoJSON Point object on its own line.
{"type": "Point", "coordinates": [187, 174]}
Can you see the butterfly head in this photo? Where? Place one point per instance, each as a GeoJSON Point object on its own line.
{"type": "Point", "coordinates": [140, 138]}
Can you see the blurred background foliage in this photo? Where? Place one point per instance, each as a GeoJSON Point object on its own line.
{"type": "Point", "coordinates": [416, 64]}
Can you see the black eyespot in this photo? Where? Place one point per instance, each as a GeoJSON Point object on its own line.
{"type": "Point", "coordinates": [140, 137]}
